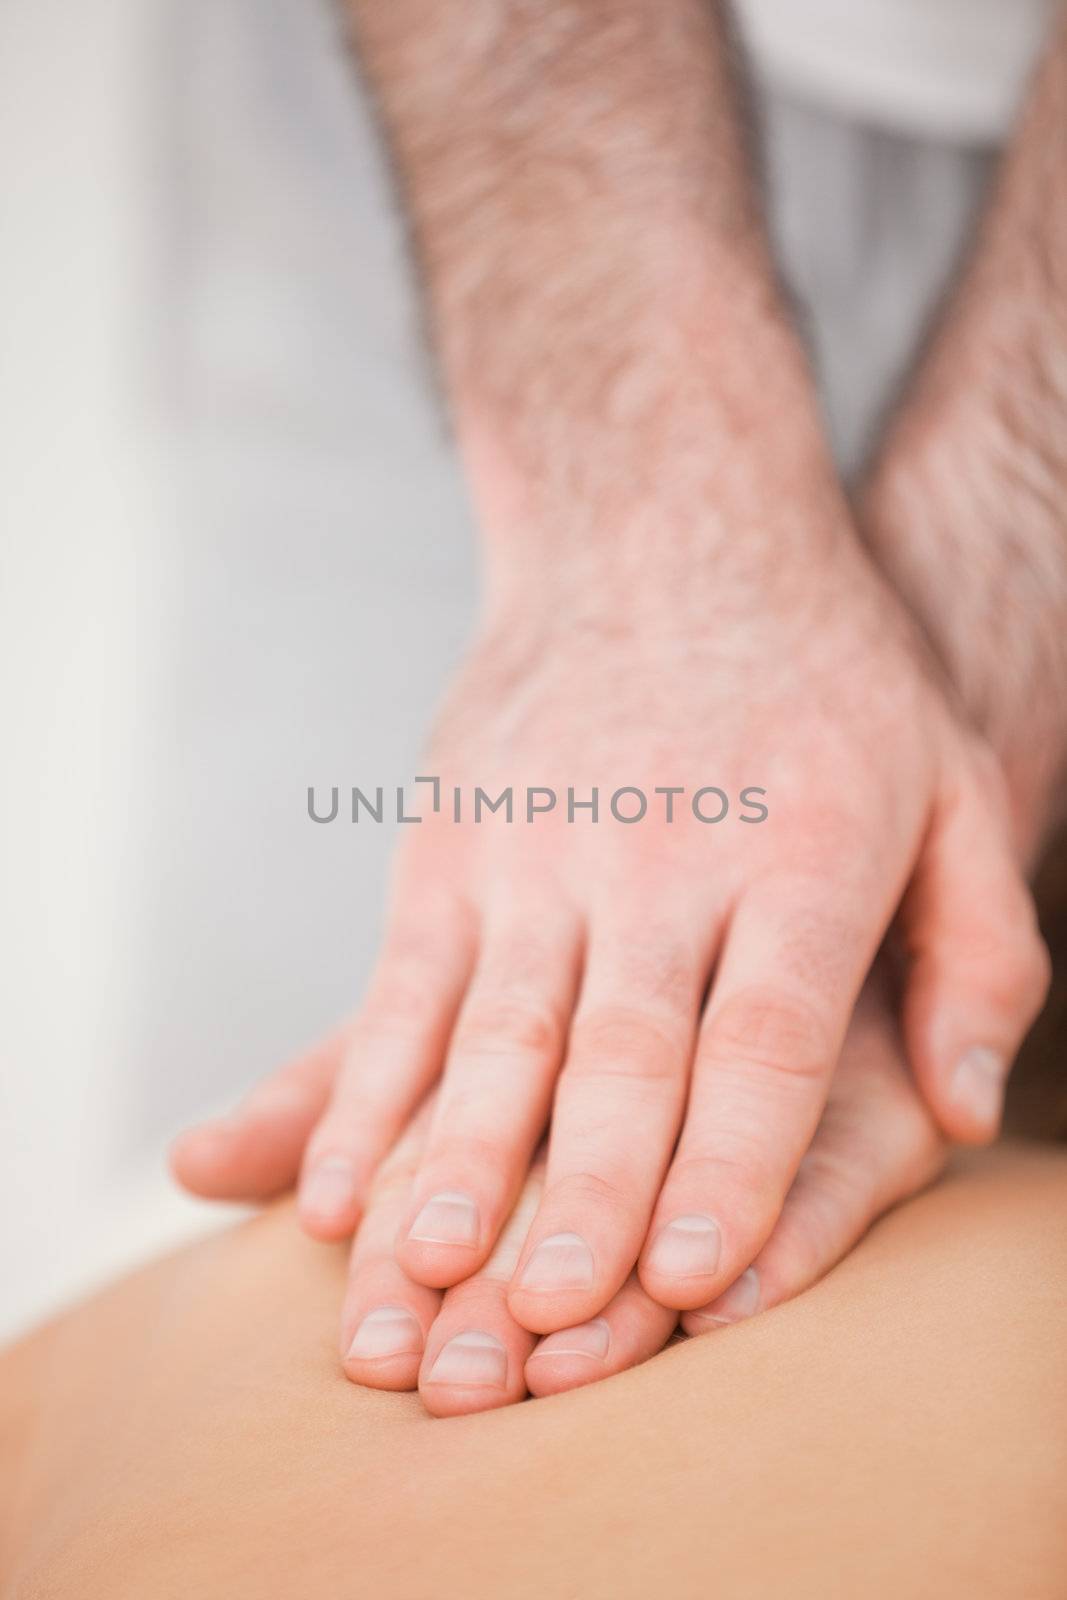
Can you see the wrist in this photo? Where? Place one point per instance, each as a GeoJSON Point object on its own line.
{"type": "Point", "coordinates": [645, 477]}
{"type": "Point", "coordinates": [967, 518]}
{"type": "Point", "coordinates": [967, 507]}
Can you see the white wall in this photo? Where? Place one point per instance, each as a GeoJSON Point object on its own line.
{"type": "Point", "coordinates": [234, 561]}
{"type": "Point", "coordinates": [78, 543]}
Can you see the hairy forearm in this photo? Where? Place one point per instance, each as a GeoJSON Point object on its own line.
{"type": "Point", "coordinates": [598, 279]}
{"type": "Point", "coordinates": [967, 505]}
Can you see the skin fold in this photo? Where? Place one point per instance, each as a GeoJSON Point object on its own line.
{"type": "Point", "coordinates": [900, 1429]}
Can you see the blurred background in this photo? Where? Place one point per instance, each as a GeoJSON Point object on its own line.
{"type": "Point", "coordinates": [236, 558]}
{"type": "Point", "coordinates": [235, 561]}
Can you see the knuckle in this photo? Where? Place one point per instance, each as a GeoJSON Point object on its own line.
{"type": "Point", "coordinates": [595, 1188]}
{"type": "Point", "coordinates": [739, 1183]}
{"type": "Point", "coordinates": [815, 949]}
{"type": "Point", "coordinates": [476, 1302]}
{"type": "Point", "coordinates": [1036, 979]}
{"type": "Point", "coordinates": [402, 999]}
{"type": "Point", "coordinates": [508, 1027]}
{"type": "Point", "coordinates": [620, 1041]}
{"type": "Point", "coordinates": [859, 1166]}
{"type": "Point", "coordinates": [837, 1181]}
{"type": "Point", "coordinates": [809, 1240]}
{"type": "Point", "coordinates": [642, 956]}
{"type": "Point", "coordinates": [534, 956]}
{"type": "Point", "coordinates": [392, 1182]}
{"type": "Point", "coordinates": [764, 1029]}
{"type": "Point", "coordinates": [920, 1163]}
{"type": "Point", "coordinates": [464, 1149]}
{"type": "Point", "coordinates": [1018, 972]}
{"type": "Point", "coordinates": [831, 1204]}
{"type": "Point", "coordinates": [332, 1141]}
{"type": "Point", "coordinates": [1020, 982]}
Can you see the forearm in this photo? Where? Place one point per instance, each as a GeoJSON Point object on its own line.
{"type": "Point", "coordinates": [599, 283]}
{"type": "Point", "coordinates": [967, 506]}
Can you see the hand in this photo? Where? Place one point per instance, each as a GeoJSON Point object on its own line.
{"type": "Point", "coordinates": [516, 950]}
{"type": "Point", "coordinates": [875, 1145]}
{"type": "Point", "coordinates": [463, 1349]}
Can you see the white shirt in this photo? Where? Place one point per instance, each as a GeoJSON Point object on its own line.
{"type": "Point", "coordinates": [952, 69]}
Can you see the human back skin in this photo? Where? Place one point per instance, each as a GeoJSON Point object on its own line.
{"type": "Point", "coordinates": [899, 1430]}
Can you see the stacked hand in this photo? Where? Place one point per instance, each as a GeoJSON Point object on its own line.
{"type": "Point", "coordinates": [674, 996]}
{"type": "Point", "coordinates": [745, 1039]}
{"type": "Point", "coordinates": [464, 1348]}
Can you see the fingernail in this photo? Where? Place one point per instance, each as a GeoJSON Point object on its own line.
{"type": "Point", "coordinates": [328, 1188]}
{"type": "Point", "coordinates": [386, 1331]}
{"type": "Point", "coordinates": [978, 1084]}
{"type": "Point", "coordinates": [475, 1359]}
{"type": "Point", "coordinates": [587, 1339]}
{"type": "Point", "coordinates": [447, 1218]}
{"type": "Point", "coordinates": [688, 1247]}
{"type": "Point", "coordinates": [740, 1300]}
{"type": "Point", "coordinates": [562, 1261]}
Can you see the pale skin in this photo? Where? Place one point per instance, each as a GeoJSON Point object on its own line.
{"type": "Point", "coordinates": [467, 1351]}
{"type": "Point", "coordinates": [900, 1430]}
{"type": "Point", "coordinates": [676, 585]}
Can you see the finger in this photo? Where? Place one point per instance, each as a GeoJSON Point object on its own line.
{"type": "Point", "coordinates": [255, 1152]}
{"type": "Point", "coordinates": [395, 1050]}
{"type": "Point", "coordinates": [631, 1328]}
{"type": "Point", "coordinates": [386, 1318]}
{"type": "Point", "coordinates": [876, 1145]}
{"type": "Point", "coordinates": [618, 1107]}
{"type": "Point", "coordinates": [979, 968]}
{"type": "Point", "coordinates": [497, 1089]}
{"type": "Point", "coordinates": [476, 1352]}
{"type": "Point", "coordinates": [769, 1042]}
